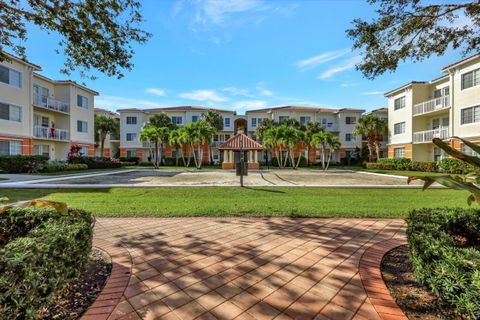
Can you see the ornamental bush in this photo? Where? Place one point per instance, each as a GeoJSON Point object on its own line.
{"type": "Point", "coordinates": [379, 166]}
{"type": "Point", "coordinates": [453, 165]}
{"type": "Point", "coordinates": [398, 163]}
{"type": "Point", "coordinates": [136, 160]}
{"type": "Point", "coordinates": [424, 166]}
{"type": "Point", "coordinates": [99, 162]}
{"type": "Point", "coordinates": [22, 163]}
{"type": "Point", "coordinates": [41, 250]}
{"type": "Point", "coordinates": [59, 167]}
{"type": "Point", "coordinates": [444, 251]}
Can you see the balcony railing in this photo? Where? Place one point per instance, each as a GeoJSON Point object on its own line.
{"type": "Point", "coordinates": [147, 144]}
{"type": "Point", "coordinates": [49, 103]}
{"type": "Point", "coordinates": [431, 105]}
{"type": "Point", "coordinates": [330, 128]}
{"type": "Point", "coordinates": [428, 135]}
{"type": "Point", "coordinates": [51, 133]}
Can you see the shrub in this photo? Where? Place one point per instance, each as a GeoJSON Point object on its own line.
{"type": "Point", "coordinates": [146, 164]}
{"type": "Point", "coordinates": [442, 251]}
{"type": "Point", "coordinates": [424, 166]}
{"type": "Point", "coordinates": [99, 162]}
{"type": "Point", "coordinates": [125, 164]}
{"type": "Point", "coordinates": [58, 167]}
{"type": "Point", "coordinates": [453, 165]}
{"type": "Point", "coordinates": [171, 162]}
{"type": "Point", "coordinates": [303, 161]}
{"type": "Point", "coordinates": [379, 166]}
{"type": "Point", "coordinates": [43, 249]}
{"type": "Point", "coordinates": [136, 160]}
{"type": "Point", "coordinates": [22, 163]}
{"type": "Point", "coordinates": [398, 163]}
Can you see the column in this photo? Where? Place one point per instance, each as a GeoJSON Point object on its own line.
{"type": "Point", "coordinates": [255, 156]}
{"type": "Point", "coordinates": [231, 158]}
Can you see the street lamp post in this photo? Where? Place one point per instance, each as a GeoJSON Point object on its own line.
{"type": "Point", "coordinates": [241, 161]}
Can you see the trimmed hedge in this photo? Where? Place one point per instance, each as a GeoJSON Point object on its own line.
{"type": "Point", "coordinates": [41, 251]}
{"type": "Point", "coordinates": [397, 163]}
{"type": "Point", "coordinates": [22, 163]}
{"type": "Point", "coordinates": [136, 160]}
{"type": "Point", "coordinates": [442, 251]}
{"type": "Point", "coordinates": [58, 167]}
{"type": "Point", "coordinates": [424, 166]}
{"type": "Point", "coordinates": [379, 166]}
{"type": "Point", "coordinates": [453, 165]}
{"type": "Point", "coordinates": [99, 162]}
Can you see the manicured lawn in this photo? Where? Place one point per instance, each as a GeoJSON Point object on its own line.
{"type": "Point", "coordinates": [261, 201]}
{"type": "Point", "coordinates": [393, 172]}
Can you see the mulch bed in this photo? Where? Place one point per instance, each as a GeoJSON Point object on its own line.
{"type": "Point", "coordinates": [75, 298]}
{"type": "Point", "coordinates": [415, 300]}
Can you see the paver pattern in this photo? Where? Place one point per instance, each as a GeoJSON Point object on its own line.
{"type": "Point", "coordinates": [244, 268]}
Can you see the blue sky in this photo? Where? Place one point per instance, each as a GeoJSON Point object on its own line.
{"type": "Point", "coordinates": [243, 54]}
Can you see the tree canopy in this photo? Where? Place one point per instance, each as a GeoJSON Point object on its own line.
{"type": "Point", "coordinates": [95, 34]}
{"type": "Point", "coordinates": [414, 29]}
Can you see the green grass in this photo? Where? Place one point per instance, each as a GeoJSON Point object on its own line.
{"type": "Point", "coordinates": [261, 201]}
{"type": "Point", "coordinates": [404, 173]}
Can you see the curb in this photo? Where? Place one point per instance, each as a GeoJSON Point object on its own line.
{"type": "Point", "coordinates": [117, 282]}
{"type": "Point", "coordinates": [371, 275]}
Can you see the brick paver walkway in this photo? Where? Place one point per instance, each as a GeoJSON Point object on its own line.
{"type": "Point", "coordinates": [245, 268]}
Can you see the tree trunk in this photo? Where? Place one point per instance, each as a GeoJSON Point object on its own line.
{"type": "Point", "coordinates": [377, 148]}
{"type": "Point", "coordinates": [102, 145]}
{"type": "Point", "coordinates": [308, 156]}
{"type": "Point", "coordinates": [156, 155]}
{"type": "Point", "coordinates": [176, 156]}
{"type": "Point", "coordinates": [200, 156]}
{"type": "Point", "coordinates": [298, 161]}
{"type": "Point", "coordinates": [329, 159]}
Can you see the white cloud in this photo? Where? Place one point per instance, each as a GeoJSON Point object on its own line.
{"type": "Point", "coordinates": [203, 95]}
{"type": "Point", "coordinates": [348, 84]}
{"type": "Point", "coordinates": [346, 65]}
{"type": "Point", "coordinates": [265, 92]}
{"type": "Point", "coordinates": [156, 91]}
{"type": "Point", "coordinates": [372, 93]}
{"type": "Point", "coordinates": [217, 11]}
{"type": "Point", "coordinates": [235, 91]}
{"type": "Point", "coordinates": [249, 105]}
{"type": "Point", "coordinates": [321, 59]}
{"type": "Point", "coordinates": [115, 102]}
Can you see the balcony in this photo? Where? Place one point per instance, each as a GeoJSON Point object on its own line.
{"type": "Point", "coordinates": [50, 104]}
{"type": "Point", "coordinates": [431, 105]}
{"type": "Point", "coordinates": [332, 128]}
{"type": "Point", "coordinates": [51, 133]}
{"type": "Point", "coordinates": [428, 135]}
{"type": "Point", "coordinates": [147, 144]}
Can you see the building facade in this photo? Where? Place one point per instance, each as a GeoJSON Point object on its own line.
{"type": "Point", "coordinates": [442, 108]}
{"type": "Point", "coordinates": [41, 116]}
{"type": "Point", "coordinates": [112, 141]}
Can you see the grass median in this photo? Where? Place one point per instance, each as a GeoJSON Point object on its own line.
{"type": "Point", "coordinates": [261, 201]}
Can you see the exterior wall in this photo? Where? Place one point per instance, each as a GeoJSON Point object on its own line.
{"type": "Point", "coordinates": [408, 150]}
{"type": "Point", "coordinates": [344, 128]}
{"type": "Point", "coordinates": [79, 113]}
{"type": "Point", "coordinates": [397, 116]}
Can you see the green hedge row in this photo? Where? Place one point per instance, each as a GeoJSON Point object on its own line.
{"type": "Point", "coordinates": [445, 256]}
{"type": "Point", "coordinates": [446, 165]}
{"type": "Point", "coordinates": [41, 251]}
{"type": "Point", "coordinates": [99, 162]}
{"type": "Point", "coordinates": [22, 163]}
{"type": "Point", "coordinates": [452, 165]}
{"type": "Point", "coordinates": [136, 160]}
{"type": "Point", "coordinates": [58, 167]}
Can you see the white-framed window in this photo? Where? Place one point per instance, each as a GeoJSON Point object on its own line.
{"type": "Point", "coordinates": [82, 126]}
{"type": "Point", "coordinates": [226, 122]}
{"type": "Point", "coordinates": [399, 128]}
{"type": "Point", "coordinates": [10, 113]}
{"type": "Point", "coordinates": [131, 153]}
{"type": "Point", "coordinates": [399, 152]}
{"type": "Point", "coordinates": [11, 77]}
{"type": "Point", "coordinates": [471, 79]}
{"type": "Point", "coordinates": [470, 115]}
{"type": "Point", "coordinates": [83, 151]}
{"type": "Point", "coordinates": [348, 137]}
{"type": "Point", "coordinates": [305, 119]}
{"type": "Point", "coordinates": [82, 101]}
{"type": "Point", "coordinates": [254, 122]}
{"type": "Point", "coordinates": [195, 118]}
{"type": "Point", "coordinates": [41, 150]}
{"type": "Point", "coordinates": [10, 147]}
{"type": "Point", "coordinates": [40, 94]}
{"type": "Point", "coordinates": [131, 136]}
{"type": "Point", "coordinates": [399, 103]}
{"type": "Point", "coordinates": [467, 150]}
{"type": "Point", "coordinates": [131, 120]}
{"type": "Point", "coordinates": [177, 120]}
{"type": "Point", "coordinates": [350, 120]}
{"type": "Point", "coordinates": [442, 92]}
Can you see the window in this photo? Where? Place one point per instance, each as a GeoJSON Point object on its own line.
{"type": "Point", "coordinates": [131, 120]}
{"type": "Point", "coordinates": [438, 154]}
{"type": "Point", "coordinates": [227, 136]}
{"type": "Point", "coordinates": [82, 101]}
{"type": "Point", "coordinates": [399, 152]}
{"type": "Point", "coordinates": [350, 120]}
{"type": "Point", "coordinates": [83, 151]}
{"type": "Point", "coordinates": [82, 126]}
{"type": "Point", "coordinates": [467, 150]}
{"type": "Point", "coordinates": [280, 118]}
{"type": "Point", "coordinates": [226, 122]}
{"type": "Point", "coordinates": [41, 121]}
{"type": "Point", "coordinates": [442, 92]}
{"type": "Point", "coordinates": [348, 137]}
{"type": "Point", "coordinates": [470, 115]}
{"type": "Point", "coordinates": [177, 120]}
{"type": "Point", "coordinates": [195, 118]}
{"type": "Point", "coordinates": [11, 113]}
{"type": "Point", "coordinates": [471, 79]}
{"type": "Point", "coordinates": [305, 119]}
{"type": "Point", "coordinates": [399, 103]}
{"type": "Point", "coordinates": [131, 136]}
{"type": "Point", "coordinates": [10, 148]}
{"type": "Point", "coordinates": [131, 153]}
{"type": "Point", "coordinates": [40, 94]}
{"type": "Point", "coordinates": [399, 128]}
{"type": "Point", "coordinates": [41, 150]}
{"type": "Point", "coordinates": [10, 76]}
{"type": "Point", "coordinates": [254, 122]}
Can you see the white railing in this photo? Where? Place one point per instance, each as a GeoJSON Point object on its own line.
{"type": "Point", "coordinates": [431, 105]}
{"type": "Point", "coordinates": [330, 128]}
{"type": "Point", "coordinates": [147, 144]}
{"type": "Point", "coordinates": [428, 135]}
{"type": "Point", "coordinates": [49, 103]}
{"type": "Point", "coordinates": [51, 133]}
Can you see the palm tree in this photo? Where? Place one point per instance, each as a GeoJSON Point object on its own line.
{"type": "Point", "coordinates": [266, 124]}
{"type": "Point", "coordinates": [151, 135]}
{"type": "Point", "coordinates": [333, 145]}
{"type": "Point", "coordinates": [272, 138]}
{"type": "Point", "coordinates": [215, 120]}
{"type": "Point", "coordinates": [311, 129]}
{"type": "Point", "coordinates": [371, 127]}
{"type": "Point", "coordinates": [176, 140]}
{"type": "Point", "coordinates": [162, 122]}
{"type": "Point", "coordinates": [321, 139]}
{"type": "Point", "coordinates": [197, 134]}
{"type": "Point", "coordinates": [303, 141]}
{"type": "Point", "coordinates": [104, 125]}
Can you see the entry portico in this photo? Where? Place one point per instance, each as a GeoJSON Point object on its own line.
{"type": "Point", "coordinates": [231, 151]}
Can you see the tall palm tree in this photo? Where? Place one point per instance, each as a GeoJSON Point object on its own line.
{"type": "Point", "coordinates": [164, 124]}
{"type": "Point", "coordinates": [311, 129]}
{"type": "Point", "coordinates": [266, 124]}
{"type": "Point", "coordinates": [151, 135]}
{"type": "Point", "coordinates": [371, 127]}
{"type": "Point", "coordinates": [272, 138]}
{"type": "Point", "coordinates": [176, 140]}
{"type": "Point", "coordinates": [334, 144]}
{"type": "Point", "coordinates": [303, 141]}
{"type": "Point", "coordinates": [215, 120]}
{"type": "Point", "coordinates": [321, 139]}
{"type": "Point", "coordinates": [196, 135]}
{"type": "Point", "coordinates": [104, 125]}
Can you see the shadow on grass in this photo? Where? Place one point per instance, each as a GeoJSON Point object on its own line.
{"type": "Point", "coordinates": [265, 190]}
{"type": "Point", "coordinates": [22, 194]}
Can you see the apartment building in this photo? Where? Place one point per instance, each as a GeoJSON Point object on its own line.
{"type": "Point", "coordinates": [338, 121]}
{"type": "Point", "coordinates": [42, 116]}
{"type": "Point", "coordinates": [112, 141]}
{"type": "Point", "coordinates": [442, 108]}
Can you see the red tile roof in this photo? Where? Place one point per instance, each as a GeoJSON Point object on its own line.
{"type": "Point", "coordinates": [178, 108]}
{"type": "Point", "coordinates": [235, 142]}
{"type": "Point", "coordinates": [381, 110]}
{"type": "Point", "coordinates": [293, 108]}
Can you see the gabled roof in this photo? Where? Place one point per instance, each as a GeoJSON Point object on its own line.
{"type": "Point", "coordinates": [100, 110]}
{"type": "Point", "coordinates": [20, 60]}
{"type": "Point", "coordinates": [65, 82]}
{"type": "Point", "coordinates": [294, 108]}
{"type": "Point", "coordinates": [234, 143]}
{"type": "Point", "coordinates": [177, 108]}
{"type": "Point", "coordinates": [468, 59]}
{"type": "Point", "coordinates": [351, 110]}
{"type": "Point", "coordinates": [380, 110]}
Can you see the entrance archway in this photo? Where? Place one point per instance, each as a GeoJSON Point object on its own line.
{"type": "Point", "coordinates": [240, 126]}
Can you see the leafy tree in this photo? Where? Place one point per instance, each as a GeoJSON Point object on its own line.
{"type": "Point", "coordinates": [215, 120]}
{"type": "Point", "coordinates": [260, 132]}
{"type": "Point", "coordinates": [176, 140]}
{"type": "Point", "coordinates": [94, 34]}
{"type": "Point", "coordinates": [334, 144]}
{"type": "Point", "coordinates": [151, 135]}
{"type": "Point", "coordinates": [373, 128]}
{"type": "Point", "coordinates": [196, 135]}
{"type": "Point", "coordinates": [161, 120]}
{"type": "Point", "coordinates": [164, 125]}
{"type": "Point", "coordinates": [104, 125]}
{"type": "Point", "coordinates": [321, 139]}
{"type": "Point", "coordinates": [311, 129]}
{"type": "Point", "coordinates": [414, 29]}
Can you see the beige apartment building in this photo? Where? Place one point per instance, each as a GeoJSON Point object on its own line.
{"type": "Point", "coordinates": [41, 116]}
{"type": "Point", "coordinates": [112, 141]}
{"type": "Point", "coordinates": [442, 108]}
{"type": "Point", "coordinates": [338, 121]}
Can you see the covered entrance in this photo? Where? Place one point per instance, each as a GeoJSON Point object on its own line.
{"type": "Point", "coordinates": [231, 151]}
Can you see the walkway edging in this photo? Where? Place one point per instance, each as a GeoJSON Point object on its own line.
{"type": "Point", "coordinates": [115, 285]}
{"type": "Point", "coordinates": [372, 280]}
